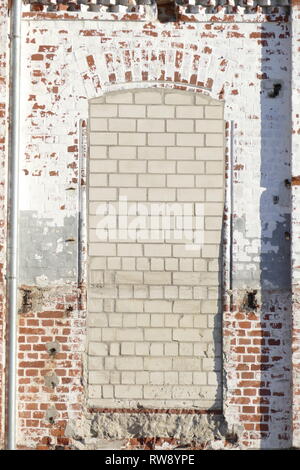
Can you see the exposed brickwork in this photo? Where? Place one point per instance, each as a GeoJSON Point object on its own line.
{"type": "Point", "coordinates": [50, 384]}
{"type": "Point", "coordinates": [136, 9]}
{"type": "Point", "coordinates": [260, 350]}
{"type": "Point", "coordinates": [67, 63]}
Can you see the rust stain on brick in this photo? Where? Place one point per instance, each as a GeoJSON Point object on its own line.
{"type": "Point", "coordinates": [91, 62]}
{"type": "Point", "coordinates": [295, 181]}
{"type": "Point", "coordinates": [37, 57]}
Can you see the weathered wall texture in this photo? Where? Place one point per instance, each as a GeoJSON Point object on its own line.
{"type": "Point", "coordinates": [234, 58]}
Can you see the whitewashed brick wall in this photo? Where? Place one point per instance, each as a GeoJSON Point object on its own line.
{"type": "Point", "coordinates": [154, 306]}
{"type": "Point", "coordinates": [65, 64]}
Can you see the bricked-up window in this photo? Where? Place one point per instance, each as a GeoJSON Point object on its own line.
{"type": "Point", "coordinates": [154, 295]}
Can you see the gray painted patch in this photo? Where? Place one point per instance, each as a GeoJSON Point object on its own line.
{"type": "Point", "coordinates": [276, 264]}
{"type": "Point", "coordinates": [272, 270]}
{"type": "Point", "coordinates": [45, 251]}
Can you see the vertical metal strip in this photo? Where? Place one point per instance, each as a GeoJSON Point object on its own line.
{"type": "Point", "coordinates": [228, 249]}
{"type": "Point", "coordinates": [82, 159]}
{"type": "Point", "coordinates": [230, 210]}
{"type": "Point", "coordinates": [13, 210]}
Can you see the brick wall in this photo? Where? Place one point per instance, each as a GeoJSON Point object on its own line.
{"type": "Point", "coordinates": [154, 300]}
{"type": "Point", "coordinates": [236, 58]}
{"type": "Point", "coordinates": [50, 386]}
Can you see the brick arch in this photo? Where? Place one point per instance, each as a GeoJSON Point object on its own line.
{"type": "Point", "coordinates": [180, 86]}
{"type": "Point", "coordinates": [144, 85]}
{"type": "Point", "coordinates": [200, 71]}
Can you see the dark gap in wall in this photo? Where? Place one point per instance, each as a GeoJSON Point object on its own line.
{"type": "Point", "coordinates": [275, 91]}
{"type": "Point", "coordinates": [166, 11]}
{"type": "Point", "coordinates": [252, 301]}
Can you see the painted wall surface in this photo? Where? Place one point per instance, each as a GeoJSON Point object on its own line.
{"type": "Point", "coordinates": [238, 60]}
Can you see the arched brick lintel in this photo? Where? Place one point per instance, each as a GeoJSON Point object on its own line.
{"type": "Point", "coordinates": [175, 65]}
{"type": "Point", "coordinates": [181, 70]}
{"type": "Point", "coordinates": [124, 86]}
